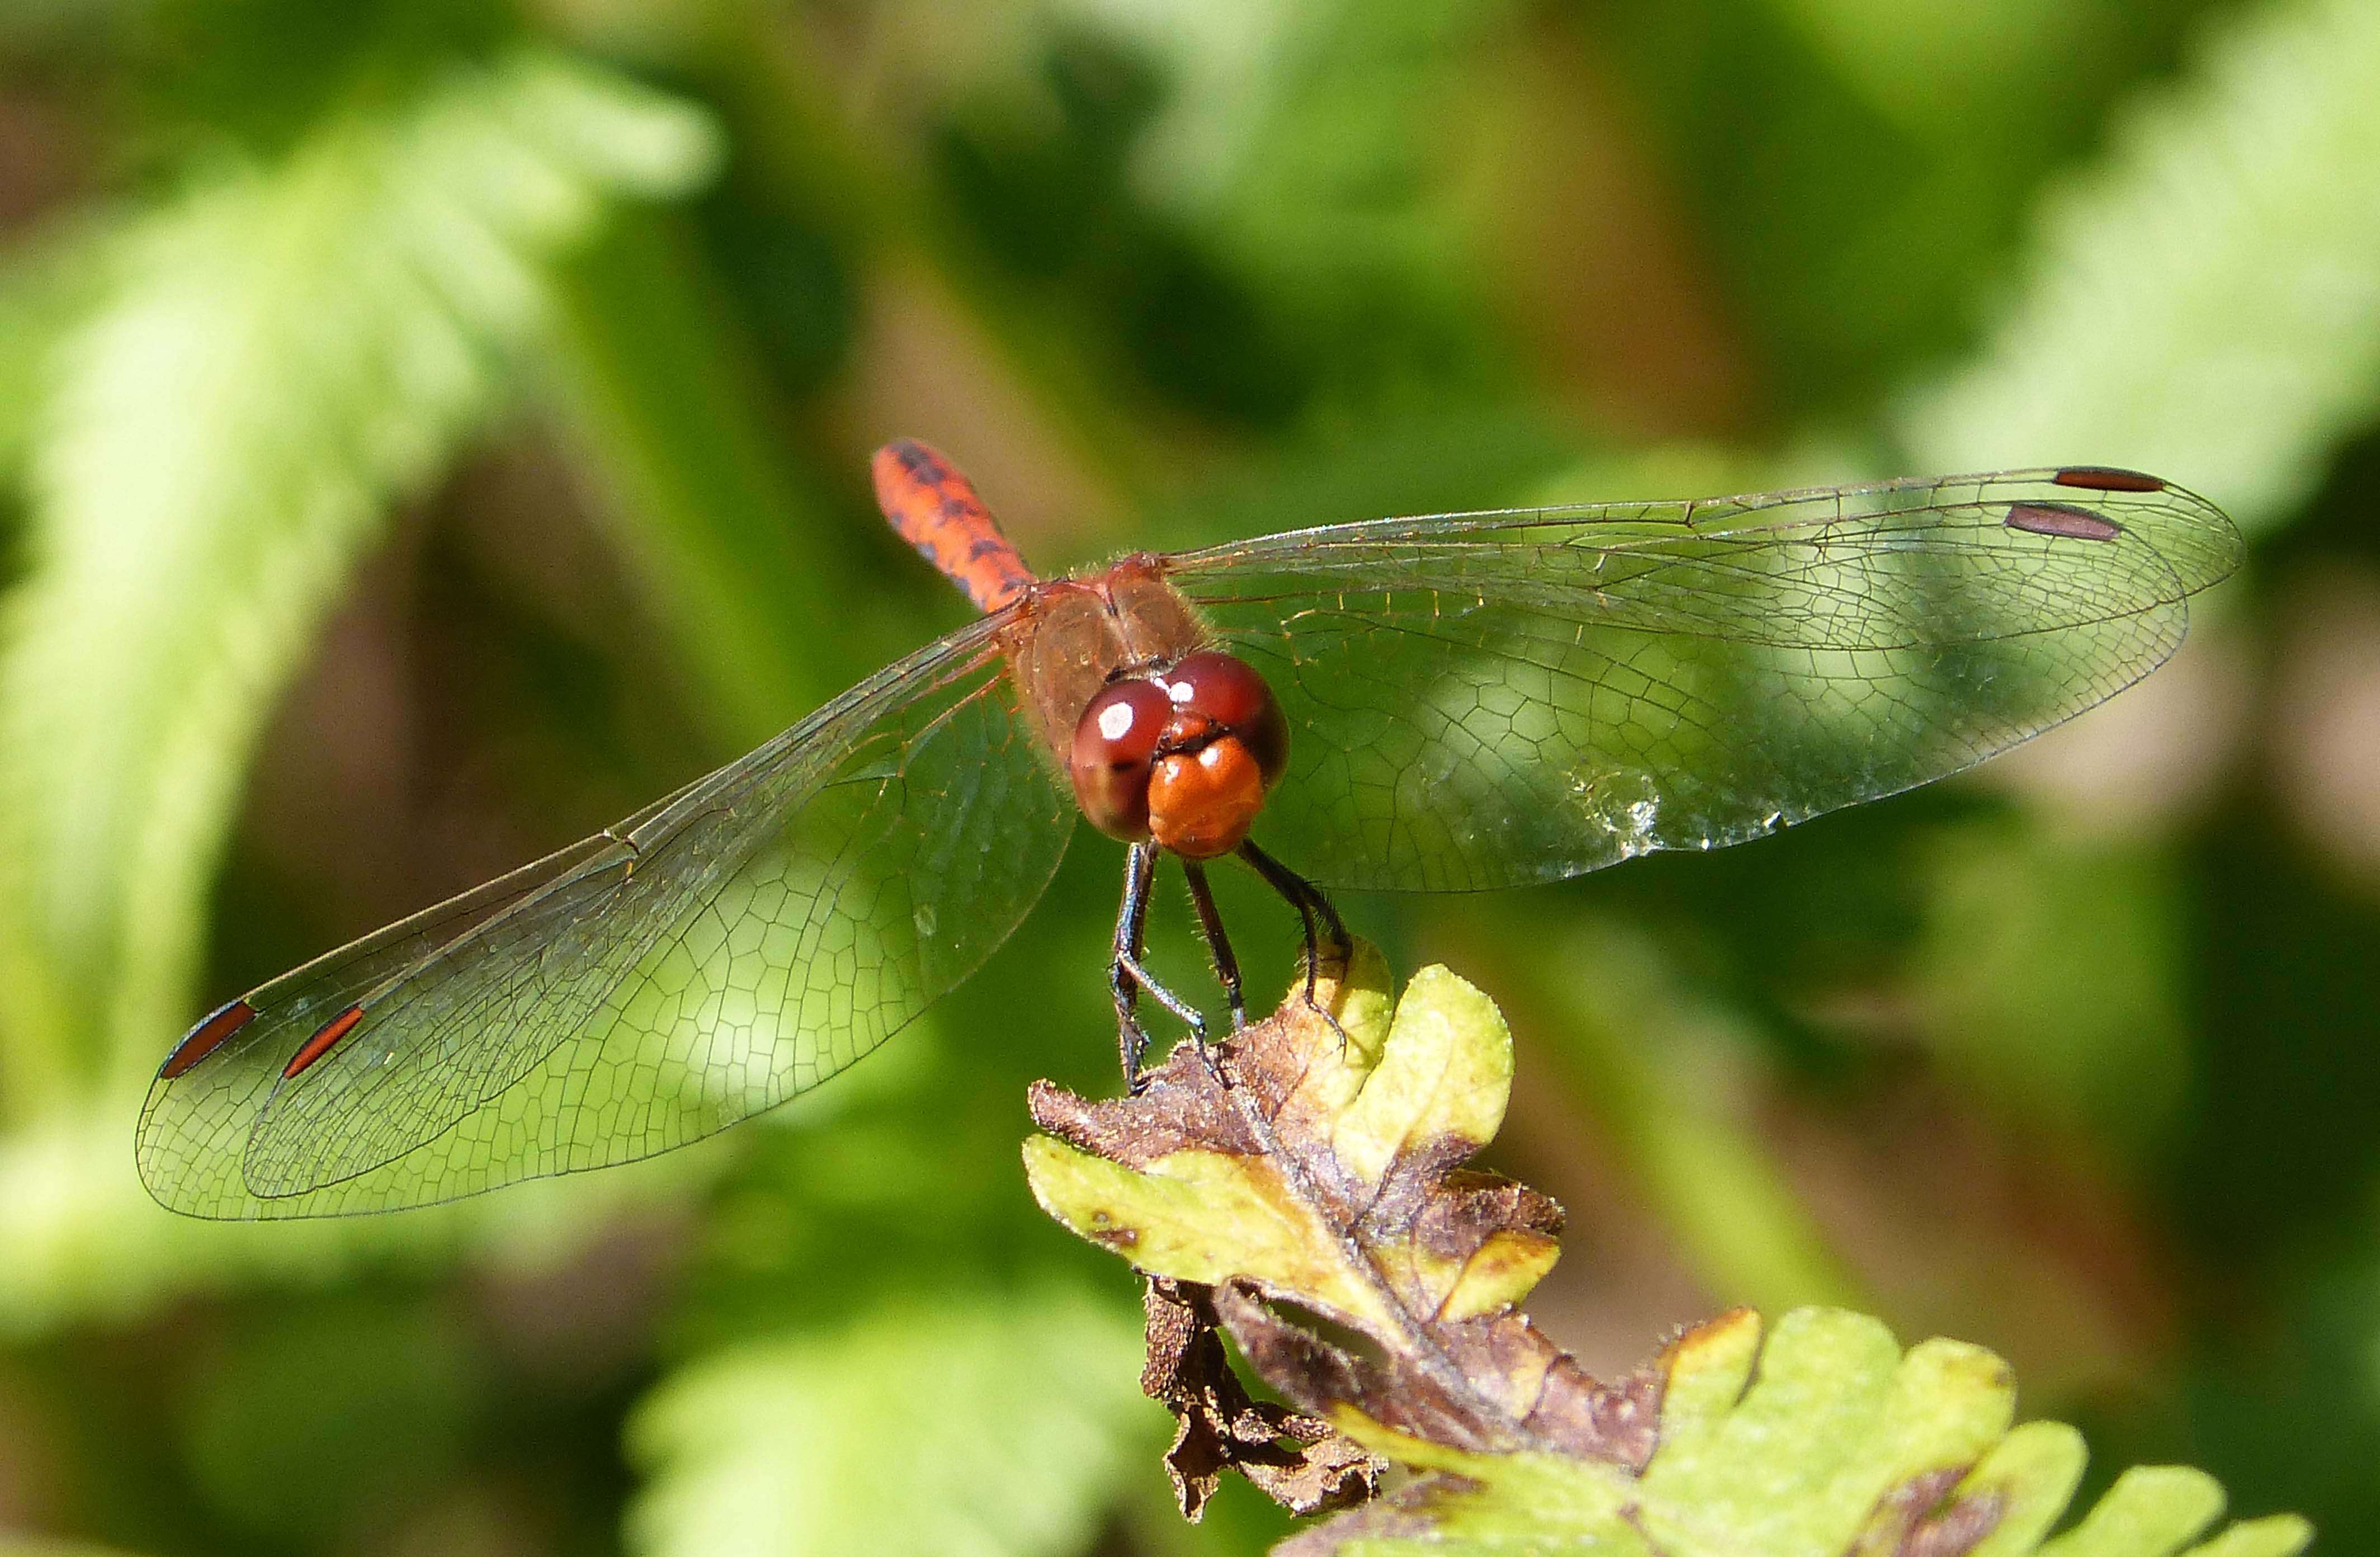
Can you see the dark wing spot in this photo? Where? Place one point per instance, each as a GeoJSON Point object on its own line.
{"type": "Point", "coordinates": [2062, 519]}
{"type": "Point", "coordinates": [324, 1037]}
{"type": "Point", "coordinates": [2107, 478]}
{"type": "Point", "coordinates": [204, 1040]}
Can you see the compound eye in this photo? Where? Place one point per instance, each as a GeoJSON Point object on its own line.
{"type": "Point", "coordinates": [1115, 742]}
{"type": "Point", "coordinates": [1228, 690]}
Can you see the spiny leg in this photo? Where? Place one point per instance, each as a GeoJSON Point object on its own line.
{"type": "Point", "coordinates": [1127, 978]}
{"type": "Point", "coordinates": [1311, 905]}
{"type": "Point", "coordinates": [1210, 924]}
{"type": "Point", "coordinates": [1132, 920]}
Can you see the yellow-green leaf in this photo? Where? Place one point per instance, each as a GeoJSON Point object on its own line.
{"type": "Point", "coordinates": [1821, 1438]}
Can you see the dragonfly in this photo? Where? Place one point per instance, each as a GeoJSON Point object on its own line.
{"type": "Point", "coordinates": [1451, 703]}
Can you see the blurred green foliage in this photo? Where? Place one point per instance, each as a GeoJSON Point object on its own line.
{"type": "Point", "coordinates": [429, 430]}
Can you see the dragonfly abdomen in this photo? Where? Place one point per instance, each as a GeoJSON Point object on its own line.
{"type": "Point", "coordinates": [934, 508]}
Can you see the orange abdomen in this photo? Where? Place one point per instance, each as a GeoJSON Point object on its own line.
{"type": "Point", "coordinates": [933, 507]}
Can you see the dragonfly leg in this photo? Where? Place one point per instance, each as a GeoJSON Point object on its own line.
{"type": "Point", "coordinates": [1132, 920]}
{"type": "Point", "coordinates": [1210, 924]}
{"type": "Point", "coordinates": [1313, 908]}
{"type": "Point", "coordinates": [1190, 1015]}
{"type": "Point", "coordinates": [1127, 978]}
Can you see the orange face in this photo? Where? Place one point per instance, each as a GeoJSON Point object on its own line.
{"type": "Point", "coordinates": [1181, 757]}
{"type": "Point", "coordinates": [1202, 804]}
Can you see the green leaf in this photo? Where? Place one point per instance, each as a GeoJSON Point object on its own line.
{"type": "Point", "coordinates": [995, 1425]}
{"type": "Point", "coordinates": [2206, 301]}
{"type": "Point", "coordinates": [279, 354]}
{"type": "Point", "coordinates": [1821, 1436]}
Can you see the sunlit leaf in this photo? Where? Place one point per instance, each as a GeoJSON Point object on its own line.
{"type": "Point", "coordinates": [978, 1425]}
{"type": "Point", "coordinates": [1820, 1436]}
{"type": "Point", "coordinates": [2205, 300]}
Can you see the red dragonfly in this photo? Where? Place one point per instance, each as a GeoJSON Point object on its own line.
{"type": "Point", "coordinates": [1441, 703]}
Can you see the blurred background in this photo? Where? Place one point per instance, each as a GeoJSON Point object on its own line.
{"type": "Point", "coordinates": [430, 429]}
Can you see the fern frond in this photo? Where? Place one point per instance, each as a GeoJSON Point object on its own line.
{"type": "Point", "coordinates": [2206, 299]}
{"type": "Point", "coordinates": [277, 355]}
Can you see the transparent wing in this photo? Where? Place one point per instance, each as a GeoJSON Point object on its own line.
{"type": "Point", "coordinates": [1487, 699]}
{"type": "Point", "coordinates": [712, 955]}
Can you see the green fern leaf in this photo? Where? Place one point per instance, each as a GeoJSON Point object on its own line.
{"type": "Point", "coordinates": [277, 355]}
{"type": "Point", "coordinates": [2206, 301]}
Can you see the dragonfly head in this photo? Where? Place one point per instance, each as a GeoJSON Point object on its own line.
{"type": "Point", "coordinates": [1182, 756]}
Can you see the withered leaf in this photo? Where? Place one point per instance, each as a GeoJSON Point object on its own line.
{"type": "Point", "coordinates": [1322, 1164]}
{"type": "Point", "coordinates": [1301, 1462]}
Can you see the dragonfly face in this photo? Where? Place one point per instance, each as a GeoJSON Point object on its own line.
{"type": "Point", "coordinates": [1448, 702]}
{"type": "Point", "coordinates": [1181, 755]}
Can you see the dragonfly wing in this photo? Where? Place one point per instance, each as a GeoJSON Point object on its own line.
{"type": "Point", "coordinates": [1481, 701]}
{"type": "Point", "coordinates": [709, 958]}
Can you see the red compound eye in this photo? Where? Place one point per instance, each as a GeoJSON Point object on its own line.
{"type": "Point", "coordinates": [1115, 742]}
{"type": "Point", "coordinates": [1232, 694]}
